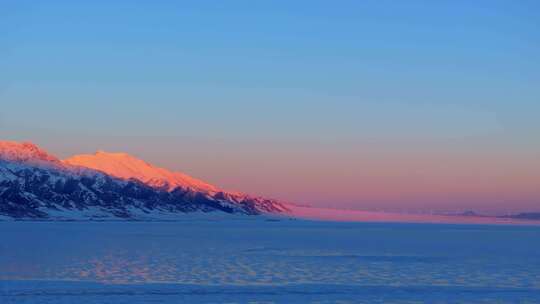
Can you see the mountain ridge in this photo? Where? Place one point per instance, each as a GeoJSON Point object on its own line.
{"type": "Point", "coordinates": [36, 184]}
{"type": "Point", "coordinates": [126, 166]}
{"type": "Point", "coordinates": [26, 152]}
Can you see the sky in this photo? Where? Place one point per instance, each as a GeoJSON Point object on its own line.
{"type": "Point", "coordinates": [412, 106]}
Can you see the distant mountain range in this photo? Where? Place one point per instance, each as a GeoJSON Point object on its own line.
{"type": "Point", "coordinates": [37, 185]}
{"type": "Point", "coordinates": [518, 216]}
{"type": "Point", "coordinates": [524, 216]}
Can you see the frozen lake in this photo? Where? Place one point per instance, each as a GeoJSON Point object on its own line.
{"type": "Point", "coordinates": [258, 261]}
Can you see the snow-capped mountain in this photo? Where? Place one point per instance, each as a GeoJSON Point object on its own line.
{"type": "Point", "coordinates": [125, 166]}
{"type": "Point", "coordinates": [35, 184]}
{"type": "Point", "coordinates": [27, 153]}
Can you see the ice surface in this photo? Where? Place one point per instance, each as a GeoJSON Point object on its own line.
{"type": "Point", "coordinates": [253, 260]}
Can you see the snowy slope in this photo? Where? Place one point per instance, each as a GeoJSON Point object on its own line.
{"type": "Point", "coordinates": [125, 166]}
{"type": "Point", "coordinates": [27, 153]}
{"type": "Point", "coordinates": [35, 184]}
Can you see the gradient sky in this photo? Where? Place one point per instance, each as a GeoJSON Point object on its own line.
{"type": "Point", "coordinates": [390, 105]}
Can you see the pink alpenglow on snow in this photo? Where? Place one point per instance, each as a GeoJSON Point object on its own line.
{"type": "Point", "coordinates": [26, 152]}
{"type": "Point", "coordinates": [125, 166]}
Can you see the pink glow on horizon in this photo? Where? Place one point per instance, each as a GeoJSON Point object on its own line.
{"type": "Point", "coordinates": [366, 178]}
{"type": "Point", "coordinates": [432, 182]}
{"type": "Point", "coordinates": [338, 215]}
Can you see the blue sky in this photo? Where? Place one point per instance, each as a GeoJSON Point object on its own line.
{"type": "Point", "coordinates": [302, 93]}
